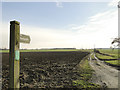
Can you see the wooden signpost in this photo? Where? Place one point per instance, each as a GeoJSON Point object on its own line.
{"type": "Point", "coordinates": [14, 54]}
{"type": "Point", "coordinates": [24, 38]}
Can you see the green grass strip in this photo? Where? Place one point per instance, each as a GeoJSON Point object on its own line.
{"type": "Point", "coordinates": [57, 50]}
{"type": "Point", "coordinates": [48, 50]}
{"type": "Point", "coordinates": [110, 52]}
{"type": "Point", "coordinates": [100, 56]}
{"type": "Point", "coordinates": [114, 62]}
{"type": "Point", "coordinates": [85, 76]}
{"type": "Point", "coordinates": [4, 51]}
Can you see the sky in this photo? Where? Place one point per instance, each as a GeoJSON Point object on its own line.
{"type": "Point", "coordinates": [62, 24]}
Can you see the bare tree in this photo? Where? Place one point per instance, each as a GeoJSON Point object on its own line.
{"type": "Point", "coordinates": [116, 40]}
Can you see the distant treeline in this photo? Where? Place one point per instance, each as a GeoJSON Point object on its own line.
{"type": "Point", "coordinates": [62, 48]}
{"type": "Point", "coordinates": [43, 49]}
{"type": "Point", "coordinates": [49, 49]}
{"type": "Point", "coordinates": [56, 48]}
{"type": "Point", "coordinates": [107, 48]}
{"type": "Point", "coordinates": [4, 49]}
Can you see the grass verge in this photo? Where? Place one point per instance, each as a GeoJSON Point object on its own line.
{"type": "Point", "coordinates": [100, 56]}
{"type": "Point", "coordinates": [114, 62]}
{"type": "Point", "coordinates": [85, 76]}
{"type": "Point", "coordinates": [49, 50]}
{"type": "Point", "coordinates": [4, 51]}
{"type": "Point", "coordinates": [111, 52]}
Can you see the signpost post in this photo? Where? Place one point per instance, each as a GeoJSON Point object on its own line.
{"type": "Point", "coordinates": [14, 53]}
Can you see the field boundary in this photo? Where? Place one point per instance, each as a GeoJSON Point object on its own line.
{"type": "Point", "coordinates": [116, 66]}
{"type": "Point", "coordinates": [57, 50]}
{"type": "Point", "coordinates": [106, 59]}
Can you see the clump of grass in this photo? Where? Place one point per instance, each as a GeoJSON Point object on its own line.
{"type": "Point", "coordinates": [85, 84]}
{"type": "Point", "coordinates": [85, 76]}
{"type": "Point", "coordinates": [92, 57]}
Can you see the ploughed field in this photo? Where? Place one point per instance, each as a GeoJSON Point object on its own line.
{"type": "Point", "coordinates": [45, 69]}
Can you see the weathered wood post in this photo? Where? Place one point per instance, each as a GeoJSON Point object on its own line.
{"type": "Point", "coordinates": [14, 54]}
{"type": "Point", "coordinates": [14, 62]}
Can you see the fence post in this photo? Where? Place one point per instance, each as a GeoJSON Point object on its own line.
{"type": "Point", "coordinates": [14, 58]}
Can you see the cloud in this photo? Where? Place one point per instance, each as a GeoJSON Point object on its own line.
{"type": "Point", "coordinates": [40, 37]}
{"type": "Point", "coordinates": [4, 33]}
{"type": "Point", "coordinates": [99, 29]}
{"type": "Point", "coordinates": [59, 4]}
{"type": "Point", "coordinates": [113, 3]}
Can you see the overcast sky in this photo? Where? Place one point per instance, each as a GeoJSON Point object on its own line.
{"type": "Point", "coordinates": [62, 24]}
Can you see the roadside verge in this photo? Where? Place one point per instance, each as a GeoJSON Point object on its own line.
{"type": "Point", "coordinates": [85, 75]}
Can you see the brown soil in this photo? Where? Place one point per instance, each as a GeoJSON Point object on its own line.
{"type": "Point", "coordinates": [45, 69]}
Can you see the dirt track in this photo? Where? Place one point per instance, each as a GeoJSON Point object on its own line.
{"type": "Point", "coordinates": [104, 75]}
